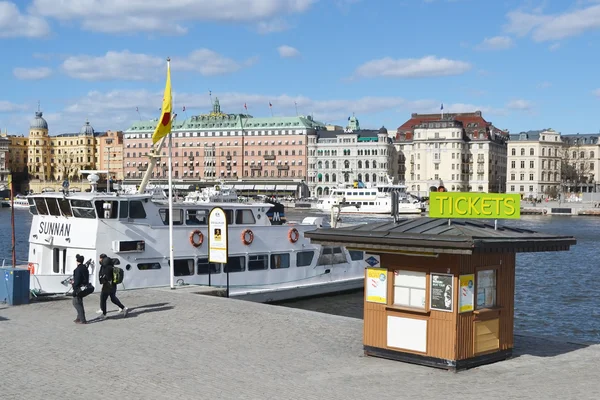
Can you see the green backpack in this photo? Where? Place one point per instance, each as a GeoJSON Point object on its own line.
{"type": "Point", "coordinates": [117, 275]}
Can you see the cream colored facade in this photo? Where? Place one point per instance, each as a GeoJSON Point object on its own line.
{"type": "Point", "coordinates": [534, 163]}
{"type": "Point", "coordinates": [4, 171]}
{"type": "Point", "coordinates": [109, 153]}
{"type": "Point", "coordinates": [442, 153]}
{"type": "Point", "coordinates": [17, 154]}
{"type": "Point", "coordinates": [582, 154]}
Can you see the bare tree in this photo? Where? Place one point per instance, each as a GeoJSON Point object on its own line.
{"type": "Point", "coordinates": [576, 167]}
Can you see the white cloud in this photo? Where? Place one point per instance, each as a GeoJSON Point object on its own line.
{"type": "Point", "coordinates": [554, 47]}
{"type": "Point", "coordinates": [272, 26]}
{"type": "Point", "coordinates": [288, 51]}
{"type": "Point", "coordinates": [165, 16]}
{"type": "Point", "coordinates": [544, 85]}
{"type": "Point", "coordinates": [125, 65]}
{"type": "Point", "coordinates": [596, 92]}
{"type": "Point", "coordinates": [32, 73]}
{"type": "Point", "coordinates": [520, 105]}
{"type": "Point", "coordinates": [15, 24]}
{"type": "Point", "coordinates": [411, 67]}
{"type": "Point", "coordinates": [7, 106]}
{"type": "Point", "coordinates": [546, 27]}
{"type": "Point", "coordinates": [495, 43]}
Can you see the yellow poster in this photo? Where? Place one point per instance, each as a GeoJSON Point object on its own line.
{"type": "Point", "coordinates": [376, 285]}
{"type": "Point", "coordinates": [466, 296]}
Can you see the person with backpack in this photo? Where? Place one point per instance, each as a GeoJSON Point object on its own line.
{"type": "Point", "coordinates": [109, 285]}
{"type": "Point", "coordinates": [80, 283]}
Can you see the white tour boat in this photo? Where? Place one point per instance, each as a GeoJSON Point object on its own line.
{"type": "Point", "coordinates": [269, 259]}
{"type": "Point", "coordinates": [20, 202]}
{"type": "Point", "coordinates": [372, 200]}
{"type": "Point", "coordinates": [221, 193]}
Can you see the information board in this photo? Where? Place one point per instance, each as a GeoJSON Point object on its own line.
{"type": "Point", "coordinates": [217, 236]}
{"type": "Point", "coordinates": [442, 293]}
{"type": "Point", "coordinates": [474, 205]}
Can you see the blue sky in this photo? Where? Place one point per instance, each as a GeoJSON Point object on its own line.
{"type": "Point", "coordinates": [524, 64]}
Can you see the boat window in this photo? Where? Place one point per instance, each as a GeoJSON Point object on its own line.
{"type": "Point", "coordinates": [229, 216]}
{"type": "Point", "coordinates": [41, 206]}
{"type": "Point", "coordinates": [148, 266]}
{"type": "Point", "coordinates": [356, 255]}
{"type": "Point", "coordinates": [83, 209]}
{"type": "Point", "coordinates": [205, 267]}
{"type": "Point", "coordinates": [53, 207]}
{"type": "Point", "coordinates": [258, 262]}
{"type": "Point", "coordinates": [235, 264]}
{"type": "Point", "coordinates": [65, 207]}
{"type": "Point", "coordinates": [124, 209]}
{"type": "Point", "coordinates": [114, 210]}
{"type": "Point", "coordinates": [280, 261]}
{"type": "Point", "coordinates": [136, 210]}
{"type": "Point", "coordinates": [331, 255]}
{"type": "Point", "coordinates": [32, 208]}
{"type": "Point", "coordinates": [58, 265]}
{"type": "Point", "coordinates": [183, 267]}
{"type": "Point", "coordinates": [196, 217]}
{"type": "Point", "coordinates": [304, 258]}
{"type": "Point", "coordinates": [177, 216]}
{"type": "Point", "coordinates": [243, 217]}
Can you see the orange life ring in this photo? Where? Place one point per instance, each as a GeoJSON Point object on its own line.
{"type": "Point", "coordinates": [293, 235]}
{"type": "Point", "coordinates": [31, 268]}
{"type": "Point", "coordinates": [247, 237]}
{"type": "Point", "coordinates": [200, 238]}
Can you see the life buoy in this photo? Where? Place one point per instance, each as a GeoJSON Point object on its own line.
{"type": "Point", "coordinates": [31, 268]}
{"type": "Point", "coordinates": [293, 235]}
{"type": "Point", "coordinates": [247, 237]}
{"type": "Point", "coordinates": [200, 236]}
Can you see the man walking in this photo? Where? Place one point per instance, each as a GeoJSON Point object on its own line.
{"type": "Point", "coordinates": [81, 277]}
{"type": "Point", "coordinates": [109, 289]}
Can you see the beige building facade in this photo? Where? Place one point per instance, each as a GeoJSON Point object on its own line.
{"type": "Point", "coordinates": [4, 170]}
{"type": "Point", "coordinates": [109, 154]}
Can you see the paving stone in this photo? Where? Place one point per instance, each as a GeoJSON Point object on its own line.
{"type": "Point", "coordinates": [175, 344]}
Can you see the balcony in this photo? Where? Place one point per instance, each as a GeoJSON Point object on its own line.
{"type": "Point", "coordinates": [256, 167]}
{"type": "Point", "coordinates": [283, 167]}
{"type": "Point", "coordinates": [142, 168]}
{"type": "Point", "coordinates": [191, 157]}
{"type": "Point", "coordinates": [228, 168]}
{"type": "Point", "coordinates": [269, 156]}
{"type": "Point", "coordinates": [228, 158]}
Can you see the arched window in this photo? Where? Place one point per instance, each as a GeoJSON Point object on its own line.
{"type": "Point", "coordinates": [592, 154]}
{"type": "Point", "coordinates": [347, 164]}
{"type": "Point", "coordinates": [333, 165]}
{"type": "Point", "coordinates": [326, 177]}
{"type": "Point", "coordinates": [374, 164]}
{"type": "Point", "coordinates": [522, 152]}
{"type": "Point", "coordinates": [582, 154]}
{"type": "Point", "coordinates": [320, 164]}
{"type": "Point", "coordinates": [326, 191]}
{"type": "Point", "coordinates": [366, 164]}
{"type": "Point", "coordinates": [374, 177]}
{"type": "Point", "coordinates": [531, 151]}
{"type": "Point", "coordinates": [326, 164]}
{"type": "Point", "coordinates": [574, 154]}
{"type": "Point", "coordinates": [543, 151]}
{"type": "Point", "coordinates": [366, 177]}
{"type": "Point", "coordinates": [333, 178]}
{"type": "Point", "coordinates": [360, 164]}
{"type": "Point", "coordinates": [514, 152]}
{"type": "Point", "coordinates": [319, 191]}
{"type": "Point", "coordinates": [359, 177]}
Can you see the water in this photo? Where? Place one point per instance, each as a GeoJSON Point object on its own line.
{"type": "Point", "coordinates": [555, 292]}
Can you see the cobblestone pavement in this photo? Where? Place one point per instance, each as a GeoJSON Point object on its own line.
{"type": "Point", "coordinates": [178, 345]}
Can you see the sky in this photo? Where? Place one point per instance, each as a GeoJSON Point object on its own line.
{"type": "Point", "coordinates": [525, 64]}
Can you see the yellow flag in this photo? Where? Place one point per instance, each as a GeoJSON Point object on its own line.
{"type": "Point", "coordinates": [164, 124]}
{"type": "Point", "coordinates": [10, 181]}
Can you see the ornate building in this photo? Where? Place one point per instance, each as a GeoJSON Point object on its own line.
{"type": "Point", "coordinates": [4, 170]}
{"type": "Point", "coordinates": [463, 152]}
{"type": "Point", "coordinates": [38, 149]}
{"type": "Point", "coordinates": [269, 154]}
{"type": "Point", "coordinates": [340, 157]}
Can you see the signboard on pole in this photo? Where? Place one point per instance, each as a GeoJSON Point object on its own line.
{"type": "Point", "coordinates": [217, 236]}
{"type": "Point", "coordinates": [474, 205]}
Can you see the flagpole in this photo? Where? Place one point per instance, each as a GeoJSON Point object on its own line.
{"type": "Point", "coordinates": [12, 222]}
{"type": "Point", "coordinates": [171, 253]}
{"type": "Point", "coordinates": [296, 105]}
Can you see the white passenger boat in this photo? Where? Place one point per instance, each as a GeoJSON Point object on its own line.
{"type": "Point", "coordinates": [20, 202]}
{"type": "Point", "coordinates": [221, 193]}
{"type": "Point", "coordinates": [373, 200]}
{"type": "Point", "coordinates": [268, 260]}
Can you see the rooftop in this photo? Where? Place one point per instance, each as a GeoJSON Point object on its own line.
{"type": "Point", "coordinates": [460, 236]}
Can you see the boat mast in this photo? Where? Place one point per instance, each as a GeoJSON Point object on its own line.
{"type": "Point", "coordinates": [154, 156]}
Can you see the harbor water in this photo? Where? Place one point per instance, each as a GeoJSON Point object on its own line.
{"type": "Point", "coordinates": [556, 294]}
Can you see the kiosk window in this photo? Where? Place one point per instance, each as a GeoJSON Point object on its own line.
{"type": "Point", "coordinates": [486, 288]}
{"type": "Point", "coordinates": [409, 289]}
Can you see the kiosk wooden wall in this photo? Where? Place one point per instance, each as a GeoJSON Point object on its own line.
{"type": "Point", "coordinates": [450, 335]}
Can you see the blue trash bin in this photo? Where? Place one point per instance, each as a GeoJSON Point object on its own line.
{"type": "Point", "coordinates": [14, 286]}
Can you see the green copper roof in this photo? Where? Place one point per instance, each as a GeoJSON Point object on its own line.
{"type": "Point", "coordinates": [219, 121]}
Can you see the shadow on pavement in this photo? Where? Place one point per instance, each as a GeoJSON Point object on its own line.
{"type": "Point", "coordinates": [540, 346]}
{"type": "Point", "coordinates": [134, 312]}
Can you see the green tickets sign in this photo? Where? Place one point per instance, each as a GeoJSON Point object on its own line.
{"type": "Point", "coordinates": [474, 205]}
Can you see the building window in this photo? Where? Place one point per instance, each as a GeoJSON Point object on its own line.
{"type": "Point", "coordinates": [531, 164]}
{"type": "Point", "coordinates": [512, 164]}
{"type": "Point", "coordinates": [530, 177]}
{"type": "Point", "coordinates": [409, 289]}
{"type": "Point", "coordinates": [486, 288]}
{"type": "Point", "coordinates": [512, 188]}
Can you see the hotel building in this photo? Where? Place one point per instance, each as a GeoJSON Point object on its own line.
{"type": "Point", "coordinates": [462, 152]}
{"type": "Point", "coordinates": [268, 154]}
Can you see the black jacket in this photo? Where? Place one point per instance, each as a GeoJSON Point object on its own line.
{"type": "Point", "coordinates": [81, 276]}
{"type": "Point", "coordinates": [105, 275]}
